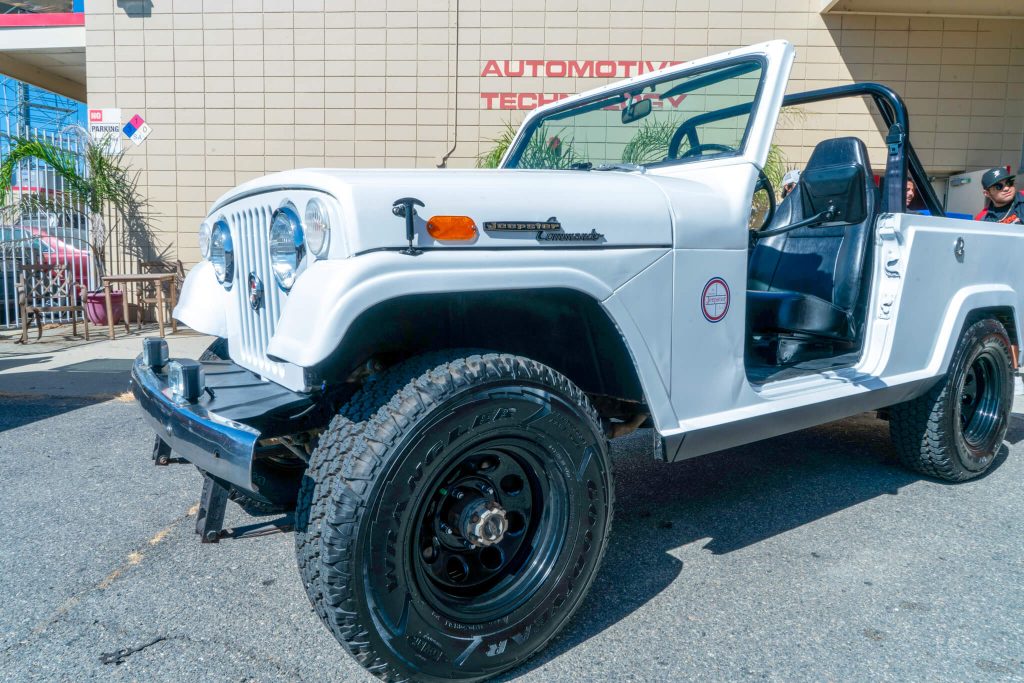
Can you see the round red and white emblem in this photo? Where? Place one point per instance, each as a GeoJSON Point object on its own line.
{"type": "Point", "coordinates": [714, 300]}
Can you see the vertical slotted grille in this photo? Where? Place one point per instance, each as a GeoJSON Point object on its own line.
{"type": "Point", "coordinates": [250, 229]}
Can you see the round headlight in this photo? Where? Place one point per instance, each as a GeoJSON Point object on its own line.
{"type": "Point", "coordinates": [204, 239]}
{"type": "Point", "coordinates": [318, 227]}
{"type": "Point", "coordinates": [287, 245]}
{"type": "Point", "coordinates": [222, 253]}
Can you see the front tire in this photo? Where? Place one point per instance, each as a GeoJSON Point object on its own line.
{"type": "Point", "coordinates": [954, 432]}
{"type": "Point", "coordinates": [325, 463]}
{"type": "Point", "coordinates": [467, 521]}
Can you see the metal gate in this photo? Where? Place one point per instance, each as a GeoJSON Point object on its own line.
{"type": "Point", "coordinates": [56, 234]}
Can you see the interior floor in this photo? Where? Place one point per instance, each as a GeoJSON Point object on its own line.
{"type": "Point", "coordinates": [760, 374]}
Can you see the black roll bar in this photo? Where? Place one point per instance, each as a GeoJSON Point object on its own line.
{"type": "Point", "coordinates": [893, 111]}
{"type": "Point", "coordinates": [890, 106]}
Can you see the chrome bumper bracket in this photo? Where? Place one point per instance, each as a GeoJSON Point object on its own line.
{"type": "Point", "coordinates": [212, 506]}
{"type": "Point", "coordinates": [223, 448]}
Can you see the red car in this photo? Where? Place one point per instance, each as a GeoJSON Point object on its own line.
{"type": "Point", "coordinates": [27, 243]}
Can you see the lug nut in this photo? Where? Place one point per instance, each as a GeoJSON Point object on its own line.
{"type": "Point", "coordinates": [457, 494]}
{"type": "Point", "coordinates": [487, 490]}
{"type": "Point", "coordinates": [446, 529]}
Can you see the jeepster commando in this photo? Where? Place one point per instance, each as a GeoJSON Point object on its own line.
{"type": "Point", "coordinates": [427, 365]}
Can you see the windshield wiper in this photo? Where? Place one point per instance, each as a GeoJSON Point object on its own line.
{"type": "Point", "coordinates": [588, 166]}
{"type": "Point", "coordinates": [620, 167]}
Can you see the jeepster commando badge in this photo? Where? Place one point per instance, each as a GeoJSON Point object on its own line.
{"type": "Point", "coordinates": [523, 226]}
{"type": "Point", "coordinates": [557, 236]}
{"type": "Point", "coordinates": [547, 231]}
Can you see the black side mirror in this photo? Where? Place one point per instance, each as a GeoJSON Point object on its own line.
{"type": "Point", "coordinates": [838, 194]}
{"type": "Point", "coordinates": [636, 110]}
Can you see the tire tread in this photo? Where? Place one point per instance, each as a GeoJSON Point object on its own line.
{"type": "Point", "coordinates": [919, 428]}
{"type": "Point", "coordinates": [327, 460]}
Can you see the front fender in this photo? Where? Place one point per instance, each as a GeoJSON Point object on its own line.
{"type": "Point", "coordinates": [203, 302]}
{"type": "Point", "coordinates": [330, 295]}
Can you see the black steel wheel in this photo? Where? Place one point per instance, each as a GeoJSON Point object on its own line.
{"type": "Point", "coordinates": [981, 396]}
{"type": "Point", "coordinates": [490, 527]}
{"type": "Point", "coordinates": [954, 432]}
{"type": "Point", "coordinates": [468, 521]}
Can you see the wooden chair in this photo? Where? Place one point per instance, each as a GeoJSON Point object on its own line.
{"type": "Point", "coordinates": [159, 294]}
{"type": "Point", "coordinates": [49, 288]}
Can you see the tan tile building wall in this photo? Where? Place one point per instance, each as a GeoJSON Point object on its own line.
{"type": "Point", "coordinates": [234, 89]}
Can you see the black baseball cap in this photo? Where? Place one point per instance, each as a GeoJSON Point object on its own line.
{"type": "Point", "coordinates": [995, 175]}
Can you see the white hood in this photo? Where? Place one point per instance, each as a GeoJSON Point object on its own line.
{"type": "Point", "coordinates": [594, 209]}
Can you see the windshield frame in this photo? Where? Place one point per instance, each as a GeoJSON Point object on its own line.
{"type": "Point", "coordinates": [530, 126]}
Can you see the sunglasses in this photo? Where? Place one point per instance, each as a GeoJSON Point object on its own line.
{"type": "Point", "coordinates": [998, 187]}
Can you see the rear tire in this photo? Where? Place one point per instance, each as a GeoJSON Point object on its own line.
{"type": "Point", "coordinates": [955, 431]}
{"type": "Point", "coordinates": [467, 522]}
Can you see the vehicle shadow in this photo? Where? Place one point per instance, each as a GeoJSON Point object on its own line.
{"type": "Point", "coordinates": [29, 395]}
{"type": "Point", "coordinates": [16, 362]}
{"type": "Point", "coordinates": [727, 501]}
{"type": "Point", "coordinates": [18, 411]}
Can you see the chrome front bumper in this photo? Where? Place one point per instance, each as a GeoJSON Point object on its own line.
{"type": "Point", "coordinates": [217, 445]}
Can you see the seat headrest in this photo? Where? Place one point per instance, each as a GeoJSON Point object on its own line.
{"type": "Point", "coordinates": [849, 150]}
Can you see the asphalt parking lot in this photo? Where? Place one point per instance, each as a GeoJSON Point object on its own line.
{"type": "Point", "coordinates": [807, 557]}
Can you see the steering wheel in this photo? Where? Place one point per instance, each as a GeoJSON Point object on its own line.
{"type": "Point", "coordinates": [763, 183]}
{"type": "Point", "coordinates": [707, 146]}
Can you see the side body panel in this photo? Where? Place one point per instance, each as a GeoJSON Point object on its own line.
{"type": "Point", "coordinates": [642, 311]}
{"type": "Point", "coordinates": [940, 288]}
{"type": "Point", "coordinates": [920, 297]}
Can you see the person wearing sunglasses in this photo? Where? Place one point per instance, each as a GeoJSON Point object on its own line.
{"type": "Point", "coordinates": [1003, 203]}
{"type": "Point", "coordinates": [789, 182]}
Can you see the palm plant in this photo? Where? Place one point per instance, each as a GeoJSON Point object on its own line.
{"type": "Point", "coordinates": [491, 157]}
{"type": "Point", "coordinates": [100, 186]}
{"type": "Point", "coordinates": [775, 165]}
{"type": "Point", "coordinates": [774, 168]}
{"type": "Point", "coordinates": [545, 149]}
{"type": "Point", "coordinates": [650, 142]}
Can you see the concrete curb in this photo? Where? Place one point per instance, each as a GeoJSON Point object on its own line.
{"type": "Point", "coordinates": [63, 366]}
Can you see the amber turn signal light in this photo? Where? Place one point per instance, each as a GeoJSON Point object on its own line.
{"type": "Point", "coordinates": [452, 228]}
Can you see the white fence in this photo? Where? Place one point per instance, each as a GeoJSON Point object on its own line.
{"type": "Point", "coordinates": [58, 234]}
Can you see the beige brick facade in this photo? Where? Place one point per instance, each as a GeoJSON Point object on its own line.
{"type": "Point", "coordinates": [234, 89]}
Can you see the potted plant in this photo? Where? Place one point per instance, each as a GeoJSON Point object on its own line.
{"type": "Point", "coordinates": [99, 189]}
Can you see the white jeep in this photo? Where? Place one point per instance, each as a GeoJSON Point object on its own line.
{"type": "Point", "coordinates": [427, 365]}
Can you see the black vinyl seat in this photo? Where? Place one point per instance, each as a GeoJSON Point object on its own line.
{"type": "Point", "coordinates": [799, 313]}
{"type": "Point", "coordinates": [807, 283]}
